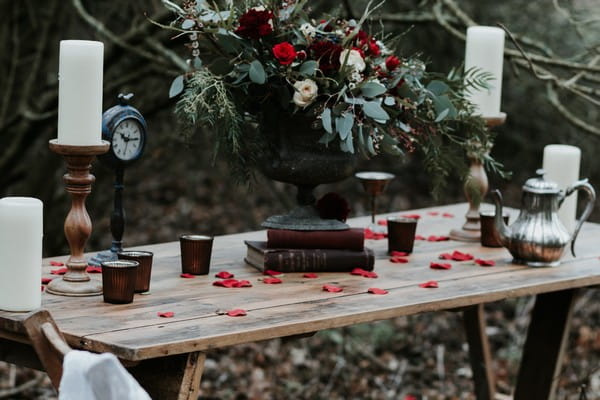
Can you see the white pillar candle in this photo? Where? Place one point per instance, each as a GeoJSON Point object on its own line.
{"type": "Point", "coordinates": [485, 51]}
{"type": "Point", "coordinates": [561, 163]}
{"type": "Point", "coordinates": [20, 253]}
{"type": "Point", "coordinates": [80, 92]}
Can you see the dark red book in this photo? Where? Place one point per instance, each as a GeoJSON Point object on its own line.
{"type": "Point", "coordinates": [307, 260]}
{"type": "Point", "coordinates": [350, 239]}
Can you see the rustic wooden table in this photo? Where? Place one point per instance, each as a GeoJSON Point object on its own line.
{"type": "Point", "coordinates": [167, 355]}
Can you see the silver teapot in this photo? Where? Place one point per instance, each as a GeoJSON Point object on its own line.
{"type": "Point", "coordinates": [538, 238]}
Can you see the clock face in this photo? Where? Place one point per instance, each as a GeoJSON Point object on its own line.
{"type": "Point", "coordinates": [127, 140]}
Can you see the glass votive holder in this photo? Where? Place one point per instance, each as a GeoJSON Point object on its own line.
{"type": "Point", "coordinates": [195, 254]}
{"type": "Point", "coordinates": [401, 234]}
{"type": "Point", "coordinates": [118, 281]}
{"type": "Point", "coordinates": [489, 233]}
{"type": "Point", "coordinates": [144, 271]}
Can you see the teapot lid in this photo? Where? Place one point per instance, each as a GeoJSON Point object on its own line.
{"type": "Point", "coordinates": [539, 185]}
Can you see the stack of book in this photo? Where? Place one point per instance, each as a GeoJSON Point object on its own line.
{"type": "Point", "coordinates": [310, 251]}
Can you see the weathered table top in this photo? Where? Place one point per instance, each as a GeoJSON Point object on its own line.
{"type": "Point", "coordinates": [299, 305]}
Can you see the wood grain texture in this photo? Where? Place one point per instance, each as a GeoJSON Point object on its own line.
{"type": "Point", "coordinates": [479, 352]}
{"type": "Point", "coordinates": [299, 305]}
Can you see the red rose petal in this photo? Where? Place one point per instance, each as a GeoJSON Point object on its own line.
{"type": "Point", "coordinates": [485, 263]}
{"type": "Point", "coordinates": [187, 276]}
{"type": "Point", "coordinates": [429, 284]}
{"type": "Point", "coordinates": [382, 222]}
{"type": "Point", "coordinates": [433, 213]}
{"type": "Point", "coordinates": [46, 281]}
{"type": "Point", "coordinates": [435, 265]}
{"type": "Point", "coordinates": [399, 260]}
{"type": "Point", "coordinates": [59, 271]}
{"type": "Point", "coordinates": [420, 237]}
{"type": "Point", "coordinates": [434, 238]}
{"type": "Point", "coordinates": [445, 256]}
{"type": "Point", "coordinates": [410, 397]}
{"type": "Point", "coordinates": [237, 312]}
{"type": "Point", "coordinates": [448, 215]}
{"type": "Point", "coordinates": [310, 275]}
{"type": "Point", "coordinates": [375, 290]}
{"type": "Point", "coordinates": [224, 275]}
{"type": "Point", "coordinates": [232, 283]}
{"type": "Point", "coordinates": [271, 272]}
{"type": "Point", "coordinates": [412, 216]}
{"type": "Point", "coordinates": [369, 234]}
{"type": "Point", "coordinates": [56, 263]}
{"type": "Point", "coordinates": [243, 283]}
{"type": "Point", "coordinates": [332, 288]}
{"type": "Point", "coordinates": [456, 256]}
{"type": "Point", "coordinates": [272, 281]}
{"type": "Point", "coordinates": [363, 273]}
{"type": "Point", "coordinates": [43, 288]}
{"type": "Point", "coordinates": [93, 270]}
{"type": "Point", "coordinates": [167, 314]}
{"type": "Point", "coordinates": [395, 253]}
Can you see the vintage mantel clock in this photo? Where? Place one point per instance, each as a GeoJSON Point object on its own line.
{"type": "Point", "coordinates": [126, 130]}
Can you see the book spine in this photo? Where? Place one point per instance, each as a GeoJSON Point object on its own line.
{"type": "Point", "coordinates": [304, 260]}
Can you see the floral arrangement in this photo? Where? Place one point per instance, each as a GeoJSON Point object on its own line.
{"type": "Point", "coordinates": [254, 58]}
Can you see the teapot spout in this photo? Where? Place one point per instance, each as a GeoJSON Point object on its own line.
{"type": "Point", "coordinates": [501, 227]}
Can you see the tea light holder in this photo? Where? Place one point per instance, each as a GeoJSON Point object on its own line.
{"type": "Point", "coordinates": [478, 180]}
{"type": "Point", "coordinates": [78, 225]}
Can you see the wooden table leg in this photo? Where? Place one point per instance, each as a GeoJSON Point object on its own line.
{"type": "Point", "coordinates": [546, 339]}
{"type": "Point", "coordinates": [173, 377]}
{"type": "Point", "coordinates": [479, 352]}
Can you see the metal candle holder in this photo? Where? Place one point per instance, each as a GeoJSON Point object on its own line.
{"type": "Point", "coordinates": [471, 230]}
{"type": "Point", "coordinates": [78, 225]}
{"type": "Point", "coordinates": [374, 183]}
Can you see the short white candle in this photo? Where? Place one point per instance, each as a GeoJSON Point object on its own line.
{"type": "Point", "coordinates": [20, 253]}
{"type": "Point", "coordinates": [485, 51]}
{"type": "Point", "coordinates": [80, 92]}
{"type": "Point", "coordinates": [561, 163]}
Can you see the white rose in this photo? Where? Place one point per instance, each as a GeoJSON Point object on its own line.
{"type": "Point", "coordinates": [356, 76]}
{"type": "Point", "coordinates": [305, 92]}
{"type": "Point", "coordinates": [354, 61]}
{"type": "Point", "coordinates": [308, 30]}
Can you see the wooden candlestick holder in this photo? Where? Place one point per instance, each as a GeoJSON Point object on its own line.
{"type": "Point", "coordinates": [78, 225]}
{"type": "Point", "coordinates": [477, 180]}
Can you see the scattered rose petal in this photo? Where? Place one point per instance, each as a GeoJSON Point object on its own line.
{"type": "Point", "coordinates": [375, 290]}
{"type": "Point", "coordinates": [433, 213]}
{"type": "Point", "coordinates": [382, 222]}
{"type": "Point", "coordinates": [369, 234]}
{"type": "Point", "coordinates": [332, 288]}
{"type": "Point", "coordinates": [272, 281]}
{"type": "Point", "coordinates": [59, 271]}
{"type": "Point", "coordinates": [429, 284]}
{"type": "Point", "coordinates": [456, 256]}
{"type": "Point", "coordinates": [363, 273]}
{"type": "Point", "coordinates": [435, 265]}
{"type": "Point", "coordinates": [399, 260]}
{"type": "Point", "coordinates": [43, 288]}
{"type": "Point", "coordinates": [271, 272]}
{"type": "Point", "coordinates": [224, 275]}
{"type": "Point", "coordinates": [56, 263]}
{"type": "Point", "coordinates": [310, 275]}
{"type": "Point", "coordinates": [187, 276]}
{"type": "Point", "coordinates": [411, 216]}
{"type": "Point", "coordinates": [420, 237]}
{"type": "Point", "coordinates": [434, 238]}
{"type": "Point", "coordinates": [93, 270]}
{"type": "Point", "coordinates": [410, 397]}
{"type": "Point", "coordinates": [167, 314]}
{"type": "Point", "coordinates": [232, 283]}
{"type": "Point", "coordinates": [485, 263]}
{"type": "Point", "coordinates": [46, 281]}
{"type": "Point", "coordinates": [395, 253]}
{"type": "Point", "coordinates": [448, 215]}
{"type": "Point", "coordinates": [237, 312]}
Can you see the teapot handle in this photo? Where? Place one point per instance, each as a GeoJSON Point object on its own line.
{"type": "Point", "coordinates": [589, 189]}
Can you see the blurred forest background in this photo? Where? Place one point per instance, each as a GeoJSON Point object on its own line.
{"type": "Point", "coordinates": [553, 96]}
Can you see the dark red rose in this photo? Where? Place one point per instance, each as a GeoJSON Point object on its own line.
{"type": "Point", "coordinates": [301, 55]}
{"type": "Point", "coordinates": [374, 49]}
{"type": "Point", "coordinates": [327, 53]}
{"type": "Point", "coordinates": [255, 24]}
{"type": "Point", "coordinates": [284, 53]}
{"type": "Point", "coordinates": [392, 62]}
{"type": "Point", "coordinates": [333, 206]}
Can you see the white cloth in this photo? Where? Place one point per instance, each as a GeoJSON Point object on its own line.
{"type": "Point", "coordinates": [89, 376]}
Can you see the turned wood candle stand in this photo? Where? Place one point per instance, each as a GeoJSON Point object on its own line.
{"type": "Point", "coordinates": [78, 225]}
{"type": "Point", "coordinates": [471, 230]}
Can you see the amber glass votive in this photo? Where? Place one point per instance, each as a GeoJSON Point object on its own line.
{"type": "Point", "coordinates": [401, 234]}
{"type": "Point", "coordinates": [195, 254]}
{"type": "Point", "coordinates": [489, 233]}
{"type": "Point", "coordinates": [144, 271]}
{"type": "Point", "coordinates": [118, 281]}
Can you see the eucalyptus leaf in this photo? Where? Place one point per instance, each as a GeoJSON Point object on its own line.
{"type": "Point", "coordinates": [240, 78]}
{"type": "Point", "coordinates": [197, 63]}
{"type": "Point", "coordinates": [438, 87]}
{"type": "Point", "coordinates": [243, 67]}
{"type": "Point", "coordinates": [442, 115]}
{"type": "Point", "coordinates": [327, 138]}
{"type": "Point", "coordinates": [372, 89]}
{"type": "Point", "coordinates": [390, 146]}
{"type": "Point", "coordinates": [188, 24]}
{"type": "Point", "coordinates": [309, 68]}
{"type": "Point", "coordinates": [354, 100]}
{"type": "Point", "coordinates": [176, 86]}
{"type": "Point", "coordinates": [169, 5]}
{"type": "Point", "coordinates": [326, 120]}
{"type": "Point", "coordinates": [441, 103]}
{"type": "Point", "coordinates": [370, 146]}
{"type": "Point", "coordinates": [344, 124]}
{"type": "Point", "coordinates": [349, 142]}
{"type": "Point", "coordinates": [257, 72]}
{"type": "Point", "coordinates": [389, 101]}
{"type": "Point", "coordinates": [374, 110]}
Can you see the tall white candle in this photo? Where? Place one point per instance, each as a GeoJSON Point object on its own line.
{"type": "Point", "coordinates": [20, 253]}
{"type": "Point", "coordinates": [561, 163]}
{"type": "Point", "coordinates": [80, 92]}
{"type": "Point", "coordinates": [485, 51]}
